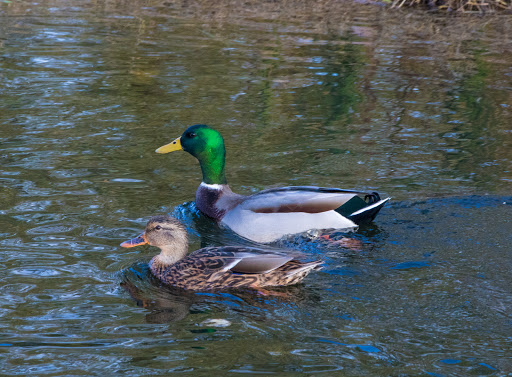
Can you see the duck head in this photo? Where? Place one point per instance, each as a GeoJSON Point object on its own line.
{"type": "Point", "coordinates": [205, 144]}
{"type": "Point", "coordinates": [166, 233]}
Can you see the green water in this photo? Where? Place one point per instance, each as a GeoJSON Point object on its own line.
{"type": "Point", "coordinates": [412, 105]}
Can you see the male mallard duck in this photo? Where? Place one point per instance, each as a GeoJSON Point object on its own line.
{"type": "Point", "coordinates": [215, 267]}
{"type": "Point", "coordinates": [270, 214]}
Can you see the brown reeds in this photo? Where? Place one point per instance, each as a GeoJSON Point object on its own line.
{"type": "Point", "coordinates": [460, 6]}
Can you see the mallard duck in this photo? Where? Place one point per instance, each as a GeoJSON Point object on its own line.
{"type": "Point", "coordinates": [214, 268]}
{"type": "Point", "coordinates": [270, 214]}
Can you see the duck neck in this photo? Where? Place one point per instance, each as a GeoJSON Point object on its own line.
{"type": "Point", "coordinates": [212, 166]}
{"type": "Point", "coordinates": [170, 254]}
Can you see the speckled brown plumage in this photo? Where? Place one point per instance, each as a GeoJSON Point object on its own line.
{"type": "Point", "coordinates": [214, 268]}
{"type": "Point", "coordinates": [208, 269]}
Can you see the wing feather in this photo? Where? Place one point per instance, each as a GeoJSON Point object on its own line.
{"type": "Point", "coordinates": [298, 199]}
{"type": "Point", "coordinates": [240, 259]}
{"type": "Point", "coordinates": [260, 263]}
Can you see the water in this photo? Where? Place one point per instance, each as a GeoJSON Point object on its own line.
{"type": "Point", "coordinates": [329, 95]}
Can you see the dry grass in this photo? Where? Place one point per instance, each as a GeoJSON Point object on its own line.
{"type": "Point", "coordinates": [460, 6]}
{"type": "Point", "coordinates": [310, 11]}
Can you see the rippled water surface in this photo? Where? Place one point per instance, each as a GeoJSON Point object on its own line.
{"type": "Point", "coordinates": [412, 105]}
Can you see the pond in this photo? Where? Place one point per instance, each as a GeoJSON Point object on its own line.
{"type": "Point", "coordinates": [413, 105]}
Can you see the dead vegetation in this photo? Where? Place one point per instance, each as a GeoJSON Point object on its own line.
{"type": "Point", "coordinates": [459, 6]}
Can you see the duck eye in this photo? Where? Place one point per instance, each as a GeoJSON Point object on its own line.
{"type": "Point", "coordinates": [191, 135]}
{"type": "Point", "coordinates": [158, 227]}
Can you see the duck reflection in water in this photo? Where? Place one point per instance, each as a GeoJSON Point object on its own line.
{"type": "Point", "coordinates": [166, 304]}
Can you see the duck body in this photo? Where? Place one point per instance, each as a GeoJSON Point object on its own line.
{"type": "Point", "coordinates": [232, 267]}
{"type": "Point", "coordinates": [214, 268]}
{"type": "Point", "coordinates": [270, 214]}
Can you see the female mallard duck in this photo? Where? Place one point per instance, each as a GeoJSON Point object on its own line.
{"type": "Point", "coordinates": [270, 214]}
{"type": "Point", "coordinates": [215, 267]}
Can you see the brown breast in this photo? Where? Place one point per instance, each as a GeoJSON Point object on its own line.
{"type": "Point", "coordinates": [215, 202]}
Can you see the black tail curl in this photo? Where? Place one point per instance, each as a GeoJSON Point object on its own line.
{"type": "Point", "coordinates": [371, 198]}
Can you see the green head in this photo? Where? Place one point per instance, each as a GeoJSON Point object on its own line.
{"type": "Point", "coordinates": [205, 144]}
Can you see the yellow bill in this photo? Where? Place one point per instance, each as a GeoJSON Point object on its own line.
{"type": "Point", "coordinates": [174, 145]}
